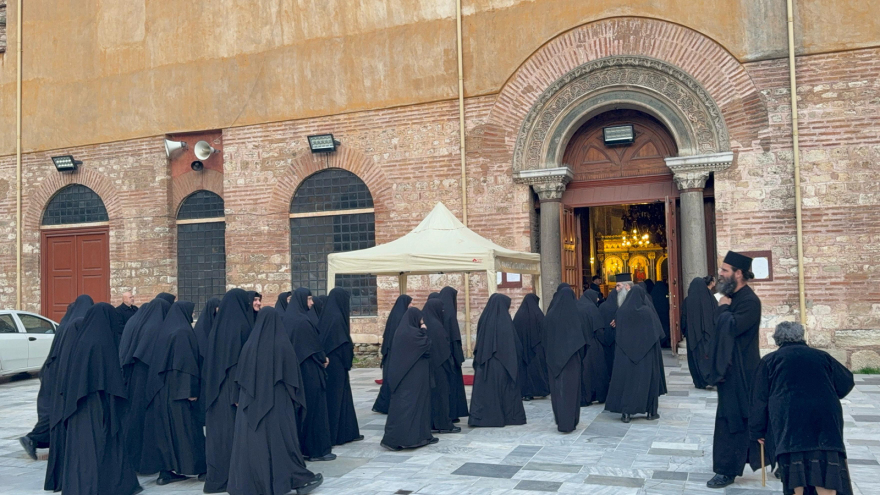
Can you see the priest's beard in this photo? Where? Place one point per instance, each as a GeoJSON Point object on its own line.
{"type": "Point", "coordinates": [621, 296]}
{"type": "Point", "coordinates": [726, 286]}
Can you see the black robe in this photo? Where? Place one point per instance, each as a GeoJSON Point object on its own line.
{"type": "Point", "coordinates": [441, 364]}
{"type": "Point", "coordinates": [796, 402]}
{"type": "Point", "coordinates": [335, 332]}
{"type": "Point", "coordinates": [698, 324]}
{"type": "Point", "coordinates": [232, 327]}
{"type": "Point", "coordinates": [126, 311]}
{"type": "Point", "coordinates": [660, 299]}
{"type": "Point", "coordinates": [91, 404]}
{"type": "Point", "coordinates": [596, 378]}
{"type": "Point", "coordinates": [566, 340]}
{"type": "Point", "coordinates": [732, 449]}
{"type": "Point", "coordinates": [638, 380]}
{"type": "Point", "coordinates": [266, 457]}
{"type": "Point", "coordinates": [174, 439]}
{"type": "Point", "coordinates": [394, 317]}
{"type": "Point", "coordinates": [283, 301]}
{"type": "Point", "coordinates": [49, 372]}
{"type": "Point", "coordinates": [608, 310]}
{"type": "Point", "coordinates": [135, 350]}
{"type": "Point", "coordinates": [458, 405]}
{"type": "Point", "coordinates": [314, 429]}
{"type": "Point", "coordinates": [409, 378]}
{"type": "Point", "coordinates": [532, 374]}
{"type": "Point", "coordinates": [496, 399]}
{"type": "Point", "coordinates": [317, 309]}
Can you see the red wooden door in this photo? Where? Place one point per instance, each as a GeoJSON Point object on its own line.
{"type": "Point", "coordinates": [674, 274]}
{"type": "Point", "coordinates": [572, 274]}
{"type": "Point", "coordinates": [74, 262]}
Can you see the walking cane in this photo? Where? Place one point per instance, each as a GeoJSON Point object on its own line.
{"type": "Point", "coordinates": [763, 469]}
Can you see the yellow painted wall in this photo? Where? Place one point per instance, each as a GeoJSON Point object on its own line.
{"type": "Point", "coordinates": [107, 70]}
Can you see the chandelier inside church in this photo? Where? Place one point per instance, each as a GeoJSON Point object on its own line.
{"type": "Point", "coordinates": [644, 225]}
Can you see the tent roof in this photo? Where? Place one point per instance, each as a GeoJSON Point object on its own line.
{"type": "Point", "coordinates": [440, 243]}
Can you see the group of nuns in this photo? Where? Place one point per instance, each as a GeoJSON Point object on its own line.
{"type": "Point", "coordinates": [237, 401]}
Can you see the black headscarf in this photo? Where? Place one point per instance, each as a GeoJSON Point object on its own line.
{"type": "Point", "coordinates": [164, 358]}
{"type": "Point", "coordinates": [140, 331]}
{"type": "Point", "coordinates": [410, 344]}
{"type": "Point", "coordinates": [281, 305]}
{"type": "Point", "coordinates": [587, 306]}
{"type": "Point", "coordinates": [432, 313]}
{"type": "Point", "coordinates": [232, 327]}
{"type": "Point", "coordinates": [496, 336]}
{"type": "Point", "coordinates": [564, 333]}
{"type": "Point", "coordinates": [335, 326]}
{"type": "Point", "coordinates": [299, 327]}
{"type": "Point", "coordinates": [317, 310]}
{"type": "Point", "coordinates": [394, 317]}
{"type": "Point", "coordinates": [166, 296]}
{"type": "Point", "coordinates": [449, 296]}
{"type": "Point", "coordinates": [77, 309]}
{"type": "Point", "coordinates": [205, 323]}
{"type": "Point", "coordinates": [700, 317]}
{"type": "Point", "coordinates": [528, 324]}
{"type": "Point", "coordinates": [660, 297]}
{"type": "Point", "coordinates": [267, 359]}
{"type": "Point", "coordinates": [649, 285]}
{"type": "Point", "coordinates": [434, 295]}
{"type": "Point", "coordinates": [608, 310]}
{"type": "Point", "coordinates": [638, 321]}
{"type": "Point", "coordinates": [92, 364]}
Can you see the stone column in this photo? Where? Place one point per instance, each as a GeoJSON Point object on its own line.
{"type": "Point", "coordinates": [690, 175]}
{"type": "Point", "coordinates": [549, 185]}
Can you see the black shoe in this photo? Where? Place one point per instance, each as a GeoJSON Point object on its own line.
{"type": "Point", "coordinates": [311, 485]}
{"type": "Point", "coordinates": [137, 490]}
{"type": "Point", "coordinates": [720, 481]}
{"type": "Point", "coordinates": [652, 417]}
{"type": "Point", "coordinates": [626, 418]}
{"type": "Point", "coordinates": [528, 398]}
{"type": "Point", "coordinates": [169, 477]}
{"type": "Point", "coordinates": [456, 420]}
{"type": "Point", "coordinates": [392, 449]}
{"type": "Point", "coordinates": [357, 438]}
{"type": "Point", "coordinates": [29, 447]}
{"type": "Point", "coordinates": [203, 477]}
{"type": "Point", "coordinates": [328, 457]}
{"type": "Point", "coordinates": [433, 440]}
{"type": "Point", "coordinates": [455, 429]}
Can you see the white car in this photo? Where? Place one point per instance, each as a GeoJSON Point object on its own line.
{"type": "Point", "coordinates": [25, 340]}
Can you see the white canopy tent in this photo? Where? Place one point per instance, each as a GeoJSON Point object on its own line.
{"type": "Point", "coordinates": [439, 244]}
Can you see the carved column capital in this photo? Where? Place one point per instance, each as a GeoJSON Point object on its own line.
{"type": "Point", "coordinates": [690, 180]}
{"type": "Point", "coordinates": [691, 172]}
{"type": "Point", "coordinates": [548, 183]}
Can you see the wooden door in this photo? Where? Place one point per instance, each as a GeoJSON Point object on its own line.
{"type": "Point", "coordinates": [675, 292]}
{"type": "Point", "coordinates": [74, 262]}
{"type": "Point", "coordinates": [572, 274]}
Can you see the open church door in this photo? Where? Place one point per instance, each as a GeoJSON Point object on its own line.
{"type": "Point", "coordinates": [572, 274]}
{"type": "Point", "coordinates": [675, 294]}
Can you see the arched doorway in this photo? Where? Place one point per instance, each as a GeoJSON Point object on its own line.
{"type": "Point", "coordinates": [75, 249]}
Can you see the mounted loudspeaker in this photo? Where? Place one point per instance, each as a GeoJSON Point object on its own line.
{"type": "Point", "coordinates": [203, 150]}
{"type": "Point", "coordinates": [172, 146]}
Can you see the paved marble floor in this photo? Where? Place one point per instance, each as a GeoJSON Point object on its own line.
{"type": "Point", "coordinates": [602, 457]}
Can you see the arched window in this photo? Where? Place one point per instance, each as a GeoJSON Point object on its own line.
{"type": "Point", "coordinates": [74, 204]}
{"type": "Point", "coordinates": [332, 211]}
{"type": "Point", "coordinates": [201, 248]}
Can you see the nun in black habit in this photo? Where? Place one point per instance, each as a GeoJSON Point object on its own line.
{"type": "Point", "coordinates": [608, 310]}
{"type": "Point", "coordinates": [409, 378]}
{"type": "Point", "coordinates": [92, 402]}
{"type": "Point", "coordinates": [174, 443]}
{"type": "Point", "coordinates": [170, 298]}
{"type": "Point", "coordinates": [335, 332]}
{"type": "Point", "coordinates": [637, 381]}
{"type": "Point", "coordinates": [135, 351]}
{"type": "Point", "coordinates": [496, 398]}
{"type": "Point", "coordinates": [458, 406]}
{"type": "Point", "coordinates": [596, 378]}
{"type": "Point", "coordinates": [39, 436]}
{"type": "Point", "coordinates": [565, 336]}
{"type": "Point", "coordinates": [281, 304]}
{"type": "Point", "coordinates": [532, 374]}
{"type": "Point", "coordinates": [317, 309]}
{"type": "Point", "coordinates": [232, 327]}
{"type": "Point", "coordinates": [660, 300]}
{"type": "Point", "coordinates": [266, 457]}
{"type": "Point", "coordinates": [441, 367]}
{"type": "Point", "coordinates": [402, 303]}
{"type": "Point", "coordinates": [314, 429]}
{"type": "Point", "coordinates": [698, 321]}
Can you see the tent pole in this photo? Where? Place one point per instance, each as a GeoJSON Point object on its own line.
{"type": "Point", "coordinates": [401, 281]}
{"type": "Point", "coordinates": [467, 313]}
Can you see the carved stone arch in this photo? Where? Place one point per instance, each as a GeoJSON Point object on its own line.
{"type": "Point", "coordinates": [619, 82]}
{"type": "Point", "coordinates": [39, 199]}
{"type": "Point", "coordinates": [185, 185]}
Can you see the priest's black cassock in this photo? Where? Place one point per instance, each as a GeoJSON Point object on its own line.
{"type": "Point", "coordinates": [335, 332]}
{"type": "Point", "coordinates": [532, 374]}
{"type": "Point", "coordinates": [596, 378]}
{"type": "Point", "coordinates": [173, 430]}
{"type": "Point", "coordinates": [394, 318]}
{"type": "Point", "coordinates": [608, 310]}
{"type": "Point", "coordinates": [135, 351]}
{"type": "Point", "coordinates": [409, 378]}
{"type": "Point", "coordinates": [566, 340]}
{"type": "Point", "coordinates": [698, 321]}
{"type": "Point", "coordinates": [39, 436]}
{"type": "Point", "coordinates": [314, 428]}
{"type": "Point", "coordinates": [637, 381]}
{"type": "Point", "coordinates": [266, 457]}
{"type": "Point", "coordinates": [496, 399]}
{"type": "Point", "coordinates": [232, 327]}
{"type": "Point", "coordinates": [458, 406]}
{"type": "Point", "coordinates": [441, 365]}
{"type": "Point", "coordinates": [126, 311]}
{"type": "Point", "coordinates": [92, 403]}
{"type": "Point", "coordinates": [283, 301]}
{"type": "Point", "coordinates": [660, 300]}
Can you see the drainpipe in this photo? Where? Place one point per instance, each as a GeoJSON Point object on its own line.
{"type": "Point", "coordinates": [797, 164]}
{"type": "Point", "coordinates": [464, 202]}
{"type": "Point", "coordinates": [18, 158]}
